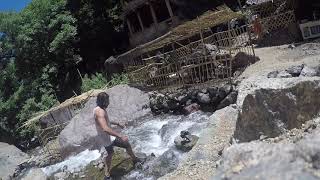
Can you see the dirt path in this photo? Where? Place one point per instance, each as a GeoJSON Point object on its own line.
{"type": "Point", "coordinates": [281, 57]}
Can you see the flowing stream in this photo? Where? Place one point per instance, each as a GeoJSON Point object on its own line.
{"type": "Point", "coordinates": [154, 136]}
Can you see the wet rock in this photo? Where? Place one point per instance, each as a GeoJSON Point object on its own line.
{"type": "Point", "coordinates": [126, 104]}
{"type": "Point", "coordinates": [35, 174]}
{"type": "Point", "coordinates": [183, 99]}
{"type": "Point", "coordinates": [230, 99]}
{"type": "Point", "coordinates": [284, 74]}
{"type": "Point", "coordinates": [162, 165]}
{"type": "Point", "coordinates": [61, 175]}
{"type": "Point", "coordinates": [203, 98]}
{"type": "Point", "coordinates": [191, 108]}
{"type": "Point", "coordinates": [212, 91]}
{"type": "Point", "coordinates": [101, 166]}
{"type": "Point", "coordinates": [273, 74]}
{"type": "Point", "coordinates": [310, 71]}
{"type": "Point", "coordinates": [295, 71]}
{"type": "Point", "coordinates": [223, 92]}
{"type": "Point", "coordinates": [187, 143]}
{"type": "Point", "coordinates": [10, 159]}
{"type": "Point", "coordinates": [271, 112]}
{"type": "Point", "coordinates": [121, 164]}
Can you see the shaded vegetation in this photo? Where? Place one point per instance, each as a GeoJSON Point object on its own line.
{"type": "Point", "coordinates": [44, 49]}
{"type": "Point", "coordinates": [98, 81]}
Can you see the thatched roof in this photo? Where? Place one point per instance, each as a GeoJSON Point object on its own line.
{"type": "Point", "coordinates": [253, 2]}
{"type": "Point", "coordinates": [211, 18]}
{"type": "Point", "coordinates": [75, 101]}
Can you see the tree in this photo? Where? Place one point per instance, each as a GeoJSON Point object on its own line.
{"type": "Point", "coordinates": [42, 38]}
{"type": "Point", "coordinates": [100, 31]}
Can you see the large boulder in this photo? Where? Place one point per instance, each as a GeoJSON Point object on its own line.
{"type": "Point", "coordinates": [126, 104]}
{"type": "Point", "coordinates": [35, 174]}
{"type": "Point", "coordinates": [203, 98]}
{"type": "Point", "coordinates": [10, 159]}
{"type": "Point", "coordinates": [310, 71]}
{"type": "Point", "coordinates": [282, 105]}
{"type": "Point", "coordinates": [162, 165]}
{"type": "Point", "coordinates": [295, 71]}
{"type": "Point", "coordinates": [262, 160]}
{"type": "Point", "coordinates": [230, 99]}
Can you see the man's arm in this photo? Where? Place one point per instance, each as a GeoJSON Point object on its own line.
{"type": "Point", "coordinates": [101, 118]}
{"type": "Point", "coordinates": [117, 124]}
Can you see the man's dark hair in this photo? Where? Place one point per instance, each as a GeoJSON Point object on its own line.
{"type": "Point", "coordinates": [102, 100]}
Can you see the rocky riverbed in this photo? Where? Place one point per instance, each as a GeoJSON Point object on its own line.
{"type": "Point", "coordinates": [264, 126]}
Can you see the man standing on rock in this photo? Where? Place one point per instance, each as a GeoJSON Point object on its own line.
{"type": "Point", "coordinates": [106, 133]}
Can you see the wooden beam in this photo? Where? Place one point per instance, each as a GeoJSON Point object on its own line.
{"type": "Point", "coordinates": [140, 20]}
{"type": "Point", "coordinates": [169, 8]}
{"type": "Point", "coordinates": [153, 13]}
{"type": "Point", "coordinates": [129, 26]}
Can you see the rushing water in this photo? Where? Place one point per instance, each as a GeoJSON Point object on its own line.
{"type": "Point", "coordinates": [157, 134]}
{"type": "Point", "coordinates": [154, 136]}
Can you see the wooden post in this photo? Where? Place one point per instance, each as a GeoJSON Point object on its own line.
{"type": "Point", "coordinates": [129, 26]}
{"type": "Point", "coordinates": [140, 20]}
{"type": "Point", "coordinates": [153, 13]}
{"type": "Point", "coordinates": [169, 8]}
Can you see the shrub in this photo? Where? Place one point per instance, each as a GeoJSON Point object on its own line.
{"type": "Point", "coordinates": [98, 81]}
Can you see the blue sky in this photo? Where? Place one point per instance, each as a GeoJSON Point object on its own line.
{"type": "Point", "coordinates": [13, 5]}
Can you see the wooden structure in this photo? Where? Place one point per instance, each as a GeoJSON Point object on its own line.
{"type": "Point", "coordinates": [203, 61]}
{"type": "Point", "coordinates": [179, 36]}
{"type": "Point", "coordinates": [148, 19]}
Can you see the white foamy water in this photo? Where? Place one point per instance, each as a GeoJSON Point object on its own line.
{"type": "Point", "coordinates": [157, 135]}
{"type": "Point", "coordinates": [73, 163]}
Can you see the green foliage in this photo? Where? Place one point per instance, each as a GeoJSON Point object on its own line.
{"type": "Point", "coordinates": [98, 81]}
{"type": "Point", "coordinates": [19, 101]}
{"type": "Point", "coordinates": [40, 54]}
{"type": "Point", "coordinates": [118, 79]}
{"type": "Point", "coordinates": [100, 29]}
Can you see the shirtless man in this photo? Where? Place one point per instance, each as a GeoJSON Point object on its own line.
{"type": "Point", "coordinates": [105, 131]}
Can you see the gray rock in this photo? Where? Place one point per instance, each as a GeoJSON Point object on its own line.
{"type": "Point", "coordinates": [273, 74]}
{"type": "Point", "coordinates": [35, 174]}
{"type": "Point", "coordinates": [230, 99]}
{"type": "Point", "coordinates": [112, 66]}
{"type": "Point", "coordinates": [162, 165]}
{"type": "Point", "coordinates": [213, 91]}
{"type": "Point", "coordinates": [191, 108]}
{"type": "Point", "coordinates": [183, 99]}
{"type": "Point", "coordinates": [126, 104]}
{"type": "Point", "coordinates": [270, 112]}
{"type": "Point", "coordinates": [203, 98]}
{"type": "Point", "coordinates": [261, 160]}
{"type": "Point", "coordinates": [10, 159]}
{"type": "Point", "coordinates": [310, 72]}
{"type": "Point", "coordinates": [295, 71]}
{"type": "Point", "coordinates": [61, 175]}
{"type": "Point", "coordinates": [284, 74]}
{"type": "Point", "coordinates": [182, 145]}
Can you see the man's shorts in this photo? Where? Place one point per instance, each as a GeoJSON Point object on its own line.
{"type": "Point", "coordinates": [117, 143]}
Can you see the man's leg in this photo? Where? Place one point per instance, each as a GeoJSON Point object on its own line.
{"type": "Point", "coordinates": [108, 161]}
{"type": "Point", "coordinates": [130, 152]}
{"type": "Point", "coordinates": [126, 145]}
